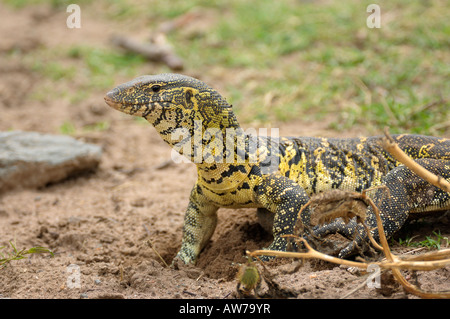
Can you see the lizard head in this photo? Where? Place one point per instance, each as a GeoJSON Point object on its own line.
{"type": "Point", "coordinates": [171, 97]}
{"type": "Point", "coordinates": [173, 101]}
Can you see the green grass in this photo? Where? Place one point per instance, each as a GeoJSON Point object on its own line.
{"type": "Point", "coordinates": [15, 254]}
{"type": "Point", "coordinates": [434, 241]}
{"type": "Point", "coordinates": [53, 3]}
{"type": "Point", "coordinates": [287, 60]}
{"type": "Point", "coordinates": [55, 70]}
{"type": "Point", "coordinates": [322, 57]}
{"type": "Point", "coordinates": [101, 66]}
{"type": "Point", "coordinates": [91, 68]}
{"type": "Point", "coordinates": [68, 128]}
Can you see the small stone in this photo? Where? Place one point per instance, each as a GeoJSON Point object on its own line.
{"type": "Point", "coordinates": [31, 159]}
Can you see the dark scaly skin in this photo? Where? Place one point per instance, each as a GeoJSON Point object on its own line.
{"type": "Point", "coordinates": [300, 167]}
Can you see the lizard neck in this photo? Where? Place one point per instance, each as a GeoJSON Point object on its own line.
{"type": "Point", "coordinates": [201, 138]}
{"type": "Point", "coordinates": [211, 138]}
{"type": "Point", "coordinates": [228, 171]}
{"type": "Point", "coordinates": [222, 177]}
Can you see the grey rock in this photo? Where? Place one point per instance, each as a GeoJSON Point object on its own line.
{"type": "Point", "coordinates": [31, 159]}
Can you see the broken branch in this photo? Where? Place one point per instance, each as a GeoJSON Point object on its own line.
{"type": "Point", "coordinates": [158, 52]}
{"type": "Point", "coordinates": [391, 146]}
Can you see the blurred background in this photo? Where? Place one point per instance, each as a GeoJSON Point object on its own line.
{"type": "Point", "coordinates": [275, 61]}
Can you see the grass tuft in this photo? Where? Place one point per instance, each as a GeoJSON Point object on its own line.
{"type": "Point", "coordinates": [15, 254]}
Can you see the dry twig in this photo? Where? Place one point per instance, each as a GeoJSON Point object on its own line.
{"type": "Point", "coordinates": [158, 50]}
{"type": "Point", "coordinates": [150, 244]}
{"type": "Point", "coordinates": [391, 146]}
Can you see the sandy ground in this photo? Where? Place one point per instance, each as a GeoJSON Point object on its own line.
{"type": "Point", "coordinates": [98, 225]}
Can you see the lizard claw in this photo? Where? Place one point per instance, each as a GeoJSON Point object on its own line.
{"type": "Point", "coordinates": [182, 259]}
{"type": "Point", "coordinates": [352, 230]}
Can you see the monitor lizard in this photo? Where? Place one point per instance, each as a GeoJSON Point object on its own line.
{"type": "Point", "coordinates": [278, 174]}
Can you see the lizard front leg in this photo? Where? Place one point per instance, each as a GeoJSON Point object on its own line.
{"type": "Point", "coordinates": [284, 198]}
{"type": "Point", "coordinates": [200, 222]}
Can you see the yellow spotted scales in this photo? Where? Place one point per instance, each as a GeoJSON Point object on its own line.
{"type": "Point", "coordinates": [277, 174]}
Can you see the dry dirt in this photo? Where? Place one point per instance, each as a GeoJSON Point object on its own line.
{"type": "Point", "coordinates": [99, 223]}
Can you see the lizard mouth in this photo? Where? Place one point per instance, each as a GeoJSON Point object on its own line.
{"type": "Point", "coordinates": [128, 108]}
{"type": "Point", "coordinates": [112, 103]}
{"type": "Point", "coordinates": [118, 105]}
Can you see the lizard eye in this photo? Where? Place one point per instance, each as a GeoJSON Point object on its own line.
{"type": "Point", "coordinates": [156, 88]}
